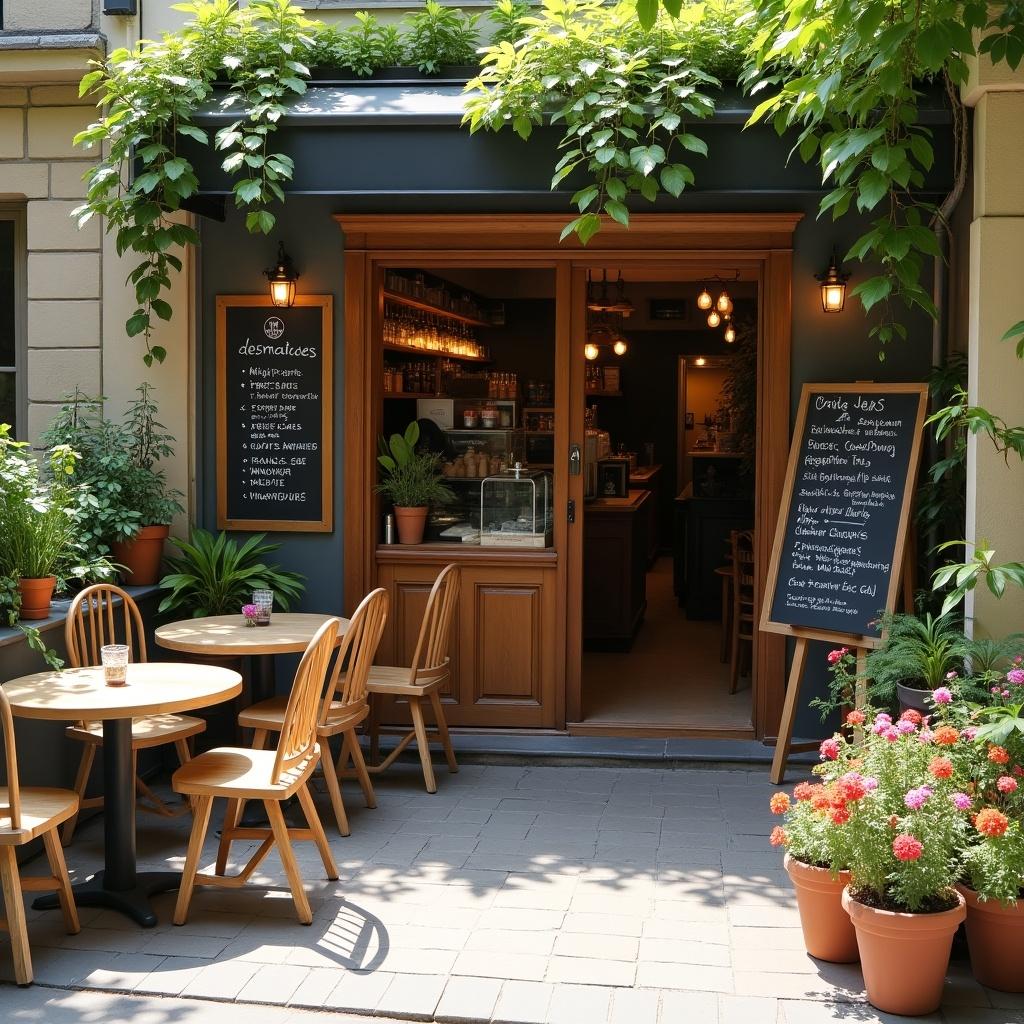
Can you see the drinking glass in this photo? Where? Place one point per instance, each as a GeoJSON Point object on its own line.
{"type": "Point", "coordinates": [264, 601]}
{"type": "Point", "coordinates": [114, 658]}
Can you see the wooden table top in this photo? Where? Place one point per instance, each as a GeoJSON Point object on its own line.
{"type": "Point", "coordinates": [153, 688]}
{"type": "Point", "coordinates": [288, 632]}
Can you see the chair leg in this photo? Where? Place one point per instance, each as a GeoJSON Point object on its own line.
{"type": "Point", "coordinates": [374, 729]}
{"type": "Point", "coordinates": [259, 742]}
{"type": "Point", "coordinates": [734, 660]}
{"type": "Point", "coordinates": [81, 783]}
{"type": "Point", "coordinates": [59, 870]}
{"type": "Point", "coordinates": [10, 882]}
{"type": "Point", "coordinates": [422, 743]}
{"type": "Point", "coordinates": [184, 752]}
{"type": "Point", "coordinates": [231, 815]}
{"type": "Point", "coordinates": [351, 749]}
{"type": "Point", "coordinates": [200, 823]}
{"type": "Point", "coordinates": [334, 791]}
{"type": "Point", "coordinates": [291, 869]}
{"type": "Point", "coordinates": [442, 731]}
{"type": "Point", "coordinates": [316, 826]}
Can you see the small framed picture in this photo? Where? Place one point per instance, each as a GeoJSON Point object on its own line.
{"type": "Point", "coordinates": [612, 478]}
{"type": "Point", "coordinates": [669, 309]}
{"type": "Point", "coordinates": [689, 421]}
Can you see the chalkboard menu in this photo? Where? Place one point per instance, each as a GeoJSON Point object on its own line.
{"type": "Point", "coordinates": [274, 421]}
{"type": "Point", "coordinates": [839, 543]}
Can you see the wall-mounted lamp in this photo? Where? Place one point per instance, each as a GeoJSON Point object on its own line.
{"type": "Point", "coordinates": [833, 286]}
{"type": "Point", "coordinates": [282, 279]}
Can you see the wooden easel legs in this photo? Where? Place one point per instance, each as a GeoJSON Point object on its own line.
{"type": "Point", "coordinates": [796, 674]}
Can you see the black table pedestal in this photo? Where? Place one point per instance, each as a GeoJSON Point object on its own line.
{"type": "Point", "coordinates": [119, 886]}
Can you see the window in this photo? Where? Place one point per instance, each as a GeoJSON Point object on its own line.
{"type": "Point", "coordinates": [11, 319]}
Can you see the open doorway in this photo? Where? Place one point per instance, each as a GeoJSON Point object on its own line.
{"type": "Point", "coordinates": [668, 517]}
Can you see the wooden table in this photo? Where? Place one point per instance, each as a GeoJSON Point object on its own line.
{"type": "Point", "coordinates": [153, 688]}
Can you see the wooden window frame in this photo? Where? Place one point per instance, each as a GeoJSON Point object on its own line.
{"type": "Point", "coordinates": [15, 213]}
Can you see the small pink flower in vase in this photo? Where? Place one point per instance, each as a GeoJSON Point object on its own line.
{"type": "Point", "coordinates": [250, 613]}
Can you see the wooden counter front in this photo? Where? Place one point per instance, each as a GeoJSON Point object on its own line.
{"type": "Point", "coordinates": [504, 669]}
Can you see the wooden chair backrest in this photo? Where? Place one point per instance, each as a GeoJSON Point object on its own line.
{"type": "Point", "coordinates": [431, 656]}
{"type": "Point", "coordinates": [12, 809]}
{"type": "Point", "coordinates": [356, 653]}
{"type": "Point", "coordinates": [94, 620]}
{"type": "Point", "coordinates": [298, 732]}
{"type": "Point", "coordinates": [743, 564]}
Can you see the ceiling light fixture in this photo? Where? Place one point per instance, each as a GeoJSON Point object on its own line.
{"type": "Point", "coordinates": [714, 319]}
{"type": "Point", "coordinates": [704, 299]}
{"type": "Point", "coordinates": [620, 348]}
{"type": "Point", "coordinates": [591, 351]}
{"type": "Point", "coordinates": [730, 334]}
{"type": "Point", "coordinates": [699, 361]}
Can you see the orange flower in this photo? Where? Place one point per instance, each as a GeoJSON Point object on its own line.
{"type": "Point", "coordinates": [946, 735]}
{"type": "Point", "coordinates": [804, 790]}
{"type": "Point", "coordinates": [778, 836]}
{"type": "Point", "coordinates": [990, 822]}
{"type": "Point", "coordinates": [855, 717]}
{"type": "Point", "coordinates": [998, 755]}
{"type": "Point", "coordinates": [779, 803]}
{"type": "Point", "coordinates": [840, 816]}
{"type": "Point", "coordinates": [941, 767]}
{"type": "Point", "coordinates": [821, 801]}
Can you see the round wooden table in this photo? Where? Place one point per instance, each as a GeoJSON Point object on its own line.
{"type": "Point", "coordinates": [229, 636]}
{"type": "Point", "coordinates": [153, 688]}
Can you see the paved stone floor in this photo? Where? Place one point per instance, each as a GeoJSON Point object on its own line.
{"type": "Point", "coordinates": [524, 895]}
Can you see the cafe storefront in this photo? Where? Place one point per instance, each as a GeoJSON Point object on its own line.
{"type": "Point", "coordinates": [440, 292]}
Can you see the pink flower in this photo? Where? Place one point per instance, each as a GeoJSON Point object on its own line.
{"type": "Point", "coordinates": [870, 784]}
{"type": "Point", "coordinates": [1006, 784]}
{"type": "Point", "coordinates": [1015, 676]}
{"type": "Point", "coordinates": [1006, 693]}
{"type": "Point", "coordinates": [904, 727]}
{"type": "Point", "coordinates": [883, 716]}
{"type": "Point", "coordinates": [250, 611]}
{"type": "Point", "coordinates": [943, 695]}
{"type": "Point", "coordinates": [951, 674]}
{"type": "Point", "coordinates": [836, 656]}
{"type": "Point", "coordinates": [961, 801]}
{"type": "Point", "coordinates": [917, 798]}
{"type": "Point", "coordinates": [829, 748]}
{"type": "Point", "coordinates": [926, 736]}
{"type": "Point", "coordinates": [995, 689]}
{"type": "Point", "coordinates": [907, 847]}
{"type": "Point", "coordinates": [891, 733]}
{"type": "Point", "coordinates": [969, 732]}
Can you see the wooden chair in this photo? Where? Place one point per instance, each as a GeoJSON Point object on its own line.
{"type": "Point", "coordinates": [423, 680]}
{"type": "Point", "coordinates": [27, 814]}
{"type": "Point", "coordinates": [344, 706]}
{"type": "Point", "coordinates": [271, 776]}
{"type": "Point", "coordinates": [92, 622]}
{"type": "Point", "coordinates": [742, 600]}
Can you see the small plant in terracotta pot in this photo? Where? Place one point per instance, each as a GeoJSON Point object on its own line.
{"type": "Point", "coordinates": [904, 841]}
{"type": "Point", "coordinates": [993, 858]}
{"type": "Point", "coordinates": [413, 481]}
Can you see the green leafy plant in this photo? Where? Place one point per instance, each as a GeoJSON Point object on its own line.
{"type": "Point", "coordinates": [438, 35]}
{"type": "Point", "coordinates": [363, 48]}
{"type": "Point", "coordinates": [510, 17]}
{"type": "Point", "coordinates": [126, 490]}
{"type": "Point", "coordinates": [412, 478]}
{"type": "Point", "coordinates": [10, 609]}
{"type": "Point", "coordinates": [214, 576]}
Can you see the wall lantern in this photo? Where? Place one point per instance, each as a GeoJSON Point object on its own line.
{"type": "Point", "coordinates": [704, 299]}
{"type": "Point", "coordinates": [282, 279]}
{"type": "Point", "coordinates": [833, 286]}
{"type": "Point", "coordinates": [714, 318]}
{"type": "Point", "coordinates": [730, 334]}
{"type": "Point", "coordinates": [591, 351]}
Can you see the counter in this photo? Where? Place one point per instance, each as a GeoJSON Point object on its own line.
{"type": "Point", "coordinates": [648, 478]}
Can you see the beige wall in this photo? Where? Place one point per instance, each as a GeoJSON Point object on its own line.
{"type": "Point", "coordinates": [995, 489]}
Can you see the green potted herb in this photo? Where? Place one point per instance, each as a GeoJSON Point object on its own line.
{"type": "Point", "coordinates": [412, 482]}
{"type": "Point", "coordinates": [128, 507]}
{"type": "Point", "coordinates": [214, 576]}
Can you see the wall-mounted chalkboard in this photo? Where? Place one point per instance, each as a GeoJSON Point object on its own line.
{"type": "Point", "coordinates": [274, 414]}
{"type": "Point", "coordinates": [841, 532]}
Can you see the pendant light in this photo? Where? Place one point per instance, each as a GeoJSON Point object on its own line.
{"type": "Point", "coordinates": [591, 351]}
{"type": "Point", "coordinates": [704, 299]}
{"type": "Point", "coordinates": [282, 279]}
{"type": "Point", "coordinates": [730, 334]}
{"type": "Point", "coordinates": [620, 348]}
{"type": "Point", "coordinates": [699, 361]}
{"type": "Point", "coordinates": [724, 303]}
{"type": "Point", "coordinates": [714, 319]}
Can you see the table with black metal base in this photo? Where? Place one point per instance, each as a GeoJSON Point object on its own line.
{"type": "Point", "coordinates": [119, 886]}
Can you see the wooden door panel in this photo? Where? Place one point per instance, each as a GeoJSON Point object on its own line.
{"type": "Point", "coordinates": [506, 654]}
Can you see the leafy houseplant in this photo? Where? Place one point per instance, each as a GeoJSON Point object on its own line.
{"type": "Point", "coordinates": [214, 576]}
{"type": "Point", "coordinates": [412, 482]}
{"type": "Point", "coordinates": [127, 506]}
{"type": "Point", "coordinates": [438, 36]}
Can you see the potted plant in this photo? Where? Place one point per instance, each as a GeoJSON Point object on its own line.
{"type": "Point", "coordinates": [903, 841]}
{"type": "Point", "coordinates": [412, 482]}
{"type": "Point", "coordinates": [214, 576]}
{"type": "Point", "coordinates": [40, 545]}
{"type": "Point", "coordinates": [917, 656]}
{"type": "Point", "coordinates": [993, 859]}
{"type": "Point", "coordinates": [128, 508]}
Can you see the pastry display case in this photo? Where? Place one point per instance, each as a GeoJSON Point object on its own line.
{"type": "Point", "coordinates": [516, 509]}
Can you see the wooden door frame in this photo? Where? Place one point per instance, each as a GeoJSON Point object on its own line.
{"type": "Point", "coordinates": [763, 242]}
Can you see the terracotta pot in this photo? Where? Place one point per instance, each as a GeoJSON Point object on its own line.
{"type": "Point", "coordinates": [141, 555]}
{"type": "Point", "coordinates": [995, 937]}
{"type": "Point", "coordinates": [828, 930]}
{"type": "Point", "coordinates": [411, 523]}
{"type": "Point", "coordinates": [36, 595]}
{"type": "Point", "coordinates": [904, 957]}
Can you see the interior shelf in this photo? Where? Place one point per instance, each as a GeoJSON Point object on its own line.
{"type": "Point", "coordinates": [409, 350]}
{"type": "Point", "coordinates": [406, 300]}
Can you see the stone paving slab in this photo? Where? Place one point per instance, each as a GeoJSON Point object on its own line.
{"type": "Point", "coordinates": [515, 895]}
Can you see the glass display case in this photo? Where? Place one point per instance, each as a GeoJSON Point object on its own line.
{"type": "Point", "coordinates": [516, 509]}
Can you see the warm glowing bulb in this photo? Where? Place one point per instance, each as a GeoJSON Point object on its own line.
{"type": "Point", "coordinates": [590, 350]}
{"type": "Point", "coordinates": [699, 361]}
{"type": "Point", "coordinates": [282, 293]}
{"type": "Point", "coordinates": [704, 299]}
{"type": "Point", "coordinates": [730, 334]}
{"type": "Point", "coordinates": [714, 319]}
{"type": "Point", "coordinates": [724, 303]}
{"type": "Point", "coordinates": [620, 347]}
{"type": "Point", "coordinates": [832, 297]}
